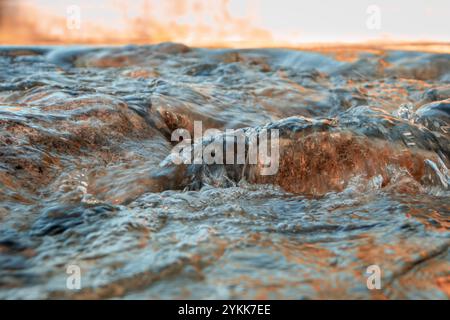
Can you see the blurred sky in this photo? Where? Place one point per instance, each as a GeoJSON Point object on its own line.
{"type": "Point", "coordinates": [219, 22]}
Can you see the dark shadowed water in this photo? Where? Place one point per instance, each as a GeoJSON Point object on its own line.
{"type": "Point", "coordinates": [85, 179]}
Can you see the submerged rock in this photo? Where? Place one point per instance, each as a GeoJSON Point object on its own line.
{"type": "Point", "coordinates": [321, 156]}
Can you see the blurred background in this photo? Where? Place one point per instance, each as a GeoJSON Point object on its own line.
{"type": "Point", "coordinates": [222, 22]}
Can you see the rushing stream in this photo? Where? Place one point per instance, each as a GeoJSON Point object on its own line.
{"type": "Point", "coordinates": [86, 177]}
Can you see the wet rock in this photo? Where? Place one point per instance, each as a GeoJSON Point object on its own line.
{"type": "Point", "coordinates": [435, 116]}
{"type": "Point", "coordinates": [60, 218]}
{"type": "Point", "coordinates": [417, 65]}
{"type": "Point", "coordinates": [321, 156]}
{"type": "Point", "coordinates": [171, 48]}
{"type": "Point", "coordinates": [203, 69]}
{"type": "Point", "coordinates": [437, 94]}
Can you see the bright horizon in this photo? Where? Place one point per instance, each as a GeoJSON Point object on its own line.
{"type": "Point", "coordinates": [224, 22]}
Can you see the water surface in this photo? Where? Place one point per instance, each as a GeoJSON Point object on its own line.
{"type": "Point", "coordinates": [84, 179]}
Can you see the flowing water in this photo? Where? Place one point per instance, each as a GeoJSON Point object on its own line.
{"type": "Point", "coordinates": [85, 179]}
